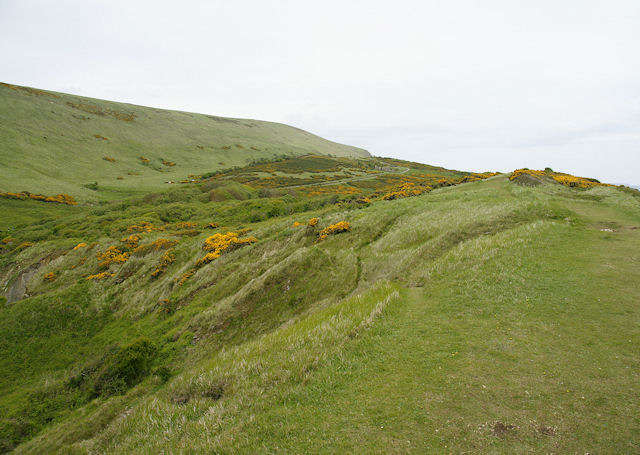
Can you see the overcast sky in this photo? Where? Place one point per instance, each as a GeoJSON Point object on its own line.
{"type": "Point", "coordinates": [472, 85]}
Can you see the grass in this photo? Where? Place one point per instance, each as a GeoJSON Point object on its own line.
{"type": "Point", "coordinates": [485, 317]}
{"type": "Point", "coordinates": [64, 136]}
{"type": "Point", "coordinates": [523, 322]}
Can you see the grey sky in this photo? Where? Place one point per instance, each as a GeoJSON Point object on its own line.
{"type": "Point", "coordinates": [474, 85]}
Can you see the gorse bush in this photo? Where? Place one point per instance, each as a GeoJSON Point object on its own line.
{"type": "Point", "coordinates": [24, 245]}
{"type": "Point", "coordinates": [218, 243]}
{"type": "Point", "coordinates": [165, 261]}
{"type": "Point", "coordinates": [156, 245]}
{"type": "Point", "coordinates": [186, 225]}
{"type": "Point", "coordinates": [144, 226]}
{"type": "Point", "coordinates": [132, 241]}
{"type": "Point", "coordinates": [51, 276]}
{"type": "Point", "coordinates": [58, 198]}
{"type": "Point", "coordinates": [185, 276]}
{"type": "Point", "coordinates": [112, 255]}
{"type": "Point", "coordinates": [100, 276]}
{"type": "Point", "coordinates": [342, 226]}
{"type": "Point", "coordinates": [407, 190]}
{"type": "Point", "coordinates": [564, 179]}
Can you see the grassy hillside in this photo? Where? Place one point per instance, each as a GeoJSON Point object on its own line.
{"type": "Point", "coordinates": [455, 313]}
{"type": "Point", "coordinates": [56, 143]}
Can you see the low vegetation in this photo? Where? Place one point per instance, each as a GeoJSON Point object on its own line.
{"type": "Point", "coordinates": [318, 304]}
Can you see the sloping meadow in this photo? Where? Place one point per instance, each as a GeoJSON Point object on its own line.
{"type": "Point", "coordinates": [211, 345]}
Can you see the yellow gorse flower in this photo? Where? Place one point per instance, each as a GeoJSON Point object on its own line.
{"type": "Point", "coordinates": [112, 255]}
{"type": "Point", "coordinates": [100, 276]}
{"type": "Point", "coordinates": [218, 243]}
{"type": "Point", "coordinates": [342, 226]}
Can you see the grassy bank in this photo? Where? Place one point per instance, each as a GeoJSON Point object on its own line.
{"type": "Point", "coordinates": [483, 318]}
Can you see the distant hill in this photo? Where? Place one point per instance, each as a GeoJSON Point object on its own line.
{"type": "Point", "coordinates": [56, 143]}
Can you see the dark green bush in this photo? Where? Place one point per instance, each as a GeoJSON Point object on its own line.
{"type": "Point", "coordinates": [163, 373]}
{"type": "Point", "coordinates": [175, 212]}
{"type": "Point", "coordinates": [92, 186]}
{"type": "Point", "coordinates": [125, 368]}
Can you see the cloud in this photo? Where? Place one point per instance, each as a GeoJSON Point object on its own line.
{"type": "Point", "coordinates": [472, 85]}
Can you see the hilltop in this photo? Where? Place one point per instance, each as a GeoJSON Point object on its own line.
{"type": "Point", "coordinates": [58, 143]}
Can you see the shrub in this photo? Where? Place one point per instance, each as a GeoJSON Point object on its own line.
{"type": "Point", "coordinates": [187, 233]}
{"type": "Point", "coordinates": [156, 245]}
{"type": "Point", "coordinates": [112, 255]}
{"type": "Point", "coordinates": [185, 276]}
{"type": "Point", "coordinates": [100, 276]}
{"type": "Point", "coordinates": [79, 245]}
{"type": "Point", "coordinates": [564, 179]}
{"type": "Point", "coordinates": [109, 159]}
{"type": "Point", "coordinates": [407, 190]}
{"type": "Point", "coordinates": [58, 198]}
{"type": "Point", "coordinates": [24, 245]}
{"type": "Point", "coordinates": [125, 368]}
{"type": "Point", "coordinates": [50, 276]}
{"type": "Point", "coordinates": [91, 186]}
{"type": "Point", "coordinates": [175, 212]}
{"type": "Point", "coordinates": [313, 222]}
{"type": "Point", "coordinates": [211, 225]}
{"type": "Point", "coordinates": [80, 262]}
{"type": "Point", "coordinates": [218, 243]}
{"type": "Point", "coordinates": [165, 261]}
{"type": "Point", "coordinates": [144, 226]}
{"type": "Point", "coordinates": [167, 306]}
{"type": "Point", "coordinates": [131, 241]}
{"type": "Point", "coordinates": [186, 225]}
{"type": "Point", "coordinates": [337, 228]}
{"type": "Point", "coordinates": [163, 373]}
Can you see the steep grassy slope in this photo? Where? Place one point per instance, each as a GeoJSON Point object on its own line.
{"type": "Point", "coordinates": [484, 318]}
{"type": "Point", "coordinates": [54, 143]}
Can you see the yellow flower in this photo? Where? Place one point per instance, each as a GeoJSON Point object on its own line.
{"type": "Point", "coordinates": [342, 226]}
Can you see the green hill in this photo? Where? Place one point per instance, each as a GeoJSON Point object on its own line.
{"type": "Point", "coordinates": [320, 304]}
{"type": "Point", "coordinates": [54, 143]}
